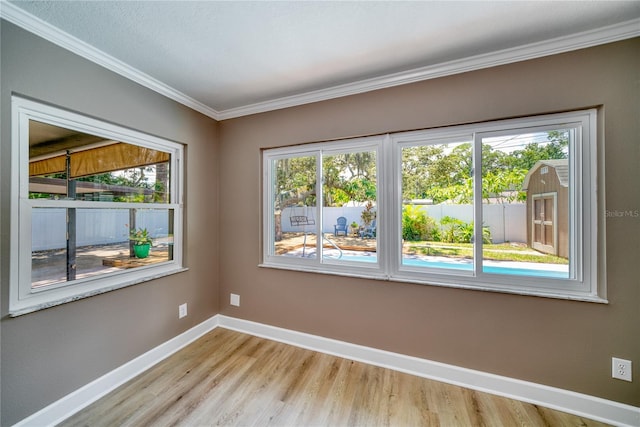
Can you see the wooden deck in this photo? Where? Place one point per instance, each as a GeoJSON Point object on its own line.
{"type": "Point", "coordinates": [156, 255]}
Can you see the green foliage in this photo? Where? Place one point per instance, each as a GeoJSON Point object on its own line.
{"type": "Point", "coordinates": [360, 189]}
{"type": "Point", "coordinates": [140, 237]}
{"type": "Point", "coordinates": [442, 172]}
{"type": "Point", "coordinates": [557, 147]}
{"type": "Point", "coordinates": [349, 177]}
{"type": "Point", "coordinates": [417, 225]}
{"type": "Point", "coordinates": [368, 214]}
{"type": "Point", "coordinates": [295, 181]}
{"type": "Point", "coordinates": [346, 177]}
{"type": "Point", "coordinates": [336, 196]}
{"type": "Point", "coordinates": [455, 230]}
{"type": "Point", "coordinates": [504, 186]}
{"type": "Point", "coordinates": [497, 252]}
{"type": "Point", "coordinates": [133, 183]}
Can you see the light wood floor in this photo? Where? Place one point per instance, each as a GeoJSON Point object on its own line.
{"type": "Point", "coordinates": [233, 379]}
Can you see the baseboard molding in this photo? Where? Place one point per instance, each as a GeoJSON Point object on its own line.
{"type": "Point", "coordinates": [84, 396]}
{"type": "Point", "coordinates": [563, 400]}
{"type": "Point", "coordinates": [591, 407]}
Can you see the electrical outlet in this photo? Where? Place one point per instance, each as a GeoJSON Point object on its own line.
{"type": "Point", "coordinates": [182, 310]}
{"type": "Point", "coordinates": [235, 300]}
{"type": "Point", "coordinates": [621, 369]}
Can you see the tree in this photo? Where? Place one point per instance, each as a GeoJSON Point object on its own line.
{"type": "Point", "coordinates": [349, 177]}
{"type": "Point", "coordinates": [295, 181]}
{"type": "Point", "coordinates": [557, 147]}
{"type": "Point", "coordinates": [443, 173]}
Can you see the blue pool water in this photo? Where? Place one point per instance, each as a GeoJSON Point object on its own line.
{"type": "Point", "coordinates": [497, 268]}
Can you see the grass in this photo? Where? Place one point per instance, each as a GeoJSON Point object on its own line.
{"type": "Point", "coordinates": [496, 252]}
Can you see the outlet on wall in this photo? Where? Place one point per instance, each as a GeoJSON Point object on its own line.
{"type": "Point", "coordinates": [182, 310]}
{"type": "Point", "coordinates": [621, 369]}
{"type": "Point", "coordinates": [235, 300]}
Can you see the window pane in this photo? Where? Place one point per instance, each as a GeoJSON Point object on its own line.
{"type": "Point", "coordinates": [349, 207]}
{"type": "Point", "coordinates": [66, 164]}
{"type": "Point", "coordinates": [294, 206]}
{"type": "Point", "coordinates": [99, 242]}
{"type": "Point", "coordinates": [526, 184]}
{"type": "Point", "coordinates": [437, 208]}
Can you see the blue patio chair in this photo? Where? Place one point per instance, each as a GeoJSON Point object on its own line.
{"type": "Point", "coordinates": [341, 226]}
{"type": "Point", "coordinates": [369, 231]}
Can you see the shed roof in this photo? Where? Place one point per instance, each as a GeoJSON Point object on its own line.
{"type": "Point", "coordinates": [561, 167]}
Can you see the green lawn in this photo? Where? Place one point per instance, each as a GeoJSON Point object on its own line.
{"type": "Point", "coordinates": [497, 252]}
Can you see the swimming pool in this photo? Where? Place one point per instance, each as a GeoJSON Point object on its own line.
{"type": "Point", "coordinates": [553, 271]}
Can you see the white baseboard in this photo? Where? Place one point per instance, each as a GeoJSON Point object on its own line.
{"type": "Point", "coordinates": [74, 402]}
{"type": "Point", "coordinates": [563, 400]}
{"type": "Point", "coordinates": [583, 405]}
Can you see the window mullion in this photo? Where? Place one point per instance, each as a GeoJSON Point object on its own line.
{"type": "Point", "coordinates": [476, 173]}
{"type": "Point", "coordinates": [319, 205]}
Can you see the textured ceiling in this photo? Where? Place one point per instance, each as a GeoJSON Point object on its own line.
{"type": "Point", "coordinates": [233, 54]}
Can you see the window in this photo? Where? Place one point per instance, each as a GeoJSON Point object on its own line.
{"type": "Point", "coordinates": [506, 206]}
{"type": "Point", "coordinates": [95, 207]}
{"type": "Point", "coordinates": [322, 201]}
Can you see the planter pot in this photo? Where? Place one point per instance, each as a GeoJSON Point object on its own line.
{"type": "Point", "coordinates": [141, 251]}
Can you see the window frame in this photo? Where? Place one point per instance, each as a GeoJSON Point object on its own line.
{"type": "Point", "coordinates": [318, 264]}
{"type": "Point", "coordinates": [586, 207]}
{"type": "Point", "coordinates": [23, 298]}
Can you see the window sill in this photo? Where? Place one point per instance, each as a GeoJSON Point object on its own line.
{"type": "Point", "coordinates": [123, 284]}
{"type": "Point", "coordinates": [479, 287]}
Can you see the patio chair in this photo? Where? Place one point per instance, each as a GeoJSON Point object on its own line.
{"type": "Point", "coordinates": [369, 231]}
{"type": "Point", "coordinates": [341, 226]}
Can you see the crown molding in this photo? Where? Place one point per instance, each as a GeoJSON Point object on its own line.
{"type": "Point", "coordinates": [612, 33]}
{"type": "Point", "coordinates": [37, 26]}
{"type": "Point", "coordinates": [609, 34]}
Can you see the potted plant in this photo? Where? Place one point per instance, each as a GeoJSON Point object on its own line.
{"type": "Point", "coordinates": [141, 242]}
{"type": "Point", "coordinates": [354, 228]}
{"type": "Point", "coordinates": [368, 214]}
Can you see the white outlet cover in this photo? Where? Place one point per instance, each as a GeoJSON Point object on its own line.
{"type": "Point", "coordinates": [182, 310]}
{"type": "Point", "coordinates": [235, 300]}
{"type": "Point", "coordinates": [621, 369]}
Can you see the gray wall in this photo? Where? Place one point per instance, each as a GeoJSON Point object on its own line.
{"type": "Point", "coordinates": [565, 344]}
{"type": "Point", "coordinates": [50, 353]}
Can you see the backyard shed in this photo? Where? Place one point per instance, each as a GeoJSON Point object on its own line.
{"type": "Point", "coordinates": [547, 187]}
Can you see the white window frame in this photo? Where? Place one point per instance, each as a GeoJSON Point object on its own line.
{"type": "Point", "coordinates": [318, 264]}
{"type": "Point", "coordinates": [587, 278]}
{"type": "Point", "coordinates": [22, 298]}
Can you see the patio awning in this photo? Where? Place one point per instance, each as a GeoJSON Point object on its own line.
{"type": "Point", "coordinates": [101, 159]}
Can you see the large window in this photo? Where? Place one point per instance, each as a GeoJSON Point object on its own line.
{"type": "Point", "coordinates": [95, 207]}
{"type": "Point", "coordinates": [507, 206]}
{"type": "Point", "coordinates": [322, 206]}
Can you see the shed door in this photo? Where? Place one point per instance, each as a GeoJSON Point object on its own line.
{"type": "Point", "coordinates": [544, 223]}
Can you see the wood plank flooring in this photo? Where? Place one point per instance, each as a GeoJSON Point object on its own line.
{"type": "Point", "coordinates": [227, 378]}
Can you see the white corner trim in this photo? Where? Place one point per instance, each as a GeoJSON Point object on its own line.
{"type": "Point", "coordinates": [609, 34]}
{"type": "Point", "coordinates": [37, 26]}
{"type": "Point", "coordinates": [84, 396]}
{"type": "Point", "coordinates": [612, 33]}
{"type": "Point", "coordinates": [591, 407]}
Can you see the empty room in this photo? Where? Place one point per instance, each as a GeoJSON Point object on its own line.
{"type": "Point", "coordinates": [292, 213]}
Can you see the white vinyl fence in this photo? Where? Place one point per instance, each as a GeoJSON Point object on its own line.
{"type": "Point", "coordinates": [507, 222]}
{"type": "Point", "coordinates": [93, 226]}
